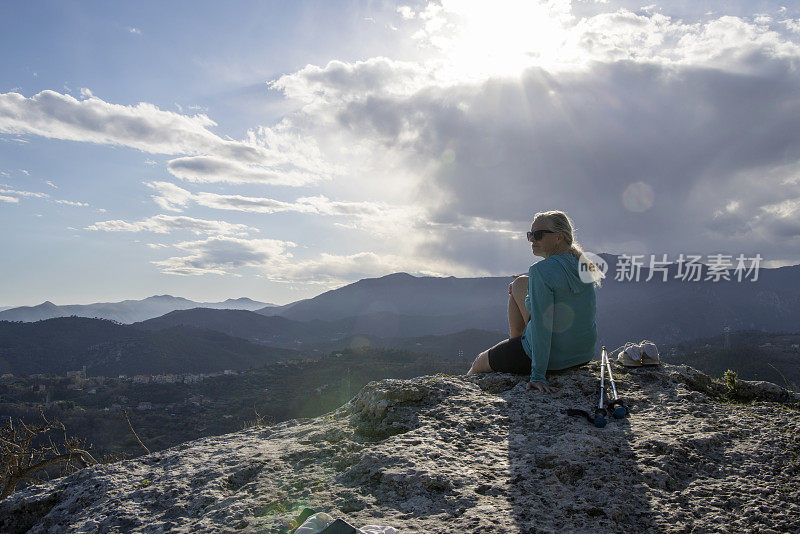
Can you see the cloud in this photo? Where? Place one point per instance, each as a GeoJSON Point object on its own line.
{"type": "Point", "coordinates": [164, 224]}
{"type": "Point", "coordinates": [223, 255]}
{"type": "Point", "coordinates": [51, 184]}
{"type": "Point", "coordinates": [333, 269]}
{"type": "Point", "coordinates": [734, 43]}
{"type": "Point", "coordinates": [170, 197]}
{"type": "Point", "coordinates": [206, 156]}
{"type": "Point", "coordinates": [242, 203]}
{"type": "Point", "coordinates": [476, 40]}
{"type": "Point", "coordinates": [175, 198]}
{"type": "Point", "coordinates": [319, 205]}
{"type": "Point", "coordinates": [649, 129]}
{"type": "Point", "coordinates": [228, 256]}
{"type": "Point", "coordinates": [406, 12]}
{"type": "Point", "coordinates": [377, 218]}
{"type": "Point", "coordinates": [86, 93]}
{"type": "Point", "coordinates": [792, 25]}
{"type": "Point", "coordinates": [10, 200]}
{"type": "Point", "coordinates": [30, 194]}
{"type": "Point", "coordinates": [339, 80]}
{"type": "Point", "coordinates": [324, 206]}
{"type": "Point", "coordinates": [143, 126]}
{"type": "Point", "coordinates": [135, 31]}
{"type": "Point", "coordinates": [204, 169]}
{"type": "Point", "coordinates": [580, 141]}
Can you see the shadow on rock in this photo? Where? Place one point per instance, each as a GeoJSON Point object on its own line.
{"type": "Point", "coordinates": [565, 474]}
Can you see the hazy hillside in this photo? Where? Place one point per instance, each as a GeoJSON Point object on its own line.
{"type": "Point", "coordinates": [390, 325]}
{"type": "Point", "coordinates": [281, 332]}
{"type": "Point", "coordinates": [255, 327]}
{"type": "Point", "coordinates": [55, 346]}
{"type": "Point", "coordinates": [664, 311]}
{"type": "Point", "coordinates": [179, 412]}
{"type": "Point", "coordinates": [404, 306]}
{"type": "Point", "coordinates": [753, 355]}
{"type": "Point", "coordinates": [398, 293]}
{"type": "Point", "coordinates": [126, 311]}
{"type": "Point", "coordinates": [470, 342]}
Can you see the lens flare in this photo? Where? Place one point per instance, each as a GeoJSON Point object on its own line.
{"type": "Point", "coordinates": [563, 317]}
{"type": "Point", "coordinates": [638, 197]}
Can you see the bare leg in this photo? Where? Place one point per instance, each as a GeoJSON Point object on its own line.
{"type": "Point", "coordinates": [481, 364]}
{"type": "Point", "coordinates": [516, 324]}
{"type": "Point", "coordinates": [518, 315]}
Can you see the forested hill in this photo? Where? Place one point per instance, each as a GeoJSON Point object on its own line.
{"type": "Point", "coordinates": [55, 346]}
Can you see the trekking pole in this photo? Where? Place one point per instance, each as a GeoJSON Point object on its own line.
{"type": "Point", "coordinates": [600, 412]}
{"type": "Point", "coordinates": [616, 406]}
{"type": "Point", "coordinates": [599, 417]}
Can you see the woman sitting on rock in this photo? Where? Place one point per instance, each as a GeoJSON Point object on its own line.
{"type": "Point", "coordinates": [551, 311]}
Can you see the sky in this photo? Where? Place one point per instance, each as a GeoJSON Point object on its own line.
{"type": "Point", "coordinates": [279, 149]}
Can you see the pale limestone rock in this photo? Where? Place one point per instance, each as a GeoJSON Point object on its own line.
{"type": "Point", "coordinates": [464, 454]}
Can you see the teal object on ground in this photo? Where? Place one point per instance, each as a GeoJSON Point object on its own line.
{"type": "Point", "coordinates": [562, 331]}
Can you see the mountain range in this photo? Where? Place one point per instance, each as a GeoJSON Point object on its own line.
{"type": "Point", "coordinates": [126, 311]}
{"type": "Point", "coordinates": [401, 307]}
{"type": "Point", "coordinates": [58, 345]}
{"type": "Point", "coordinates": [670, 311]}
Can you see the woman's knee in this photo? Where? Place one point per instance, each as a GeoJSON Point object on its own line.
{"type": "Point", "coordinates": [519, 286]}
{"type": "Point", "coordinates": [519, 290]}
{"type": "Point", "coordinates": [481, 364]}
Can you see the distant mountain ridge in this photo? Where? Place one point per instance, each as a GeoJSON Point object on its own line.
{"type": "Point", "coordinates": [383, 330]}
{"type": "Point", "coordinates": [404, 306]}
{"type": "Point", "coordinates": [244, 324]}
{"type": "Point", "coordinates": [58, 345]}
{"type": "Point", "coordinates": [126, 311]}
{"type": "Point", "coordinates": [398, 293]}
{"type": "Point", "coordinates": [627, 309]}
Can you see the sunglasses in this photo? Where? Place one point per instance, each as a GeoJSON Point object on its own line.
{"type": "Point", "coordinates": [536, 235]}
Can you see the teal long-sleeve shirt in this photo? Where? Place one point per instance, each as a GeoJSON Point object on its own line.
{"type": "Point", "coordinates": [562, 331]}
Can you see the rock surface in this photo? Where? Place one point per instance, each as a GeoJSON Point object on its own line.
{"type": "Point", "coordinates": [465, 454]}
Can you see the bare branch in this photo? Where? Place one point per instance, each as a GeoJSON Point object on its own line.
{"type": "Point", "coordinates": [125, 413]}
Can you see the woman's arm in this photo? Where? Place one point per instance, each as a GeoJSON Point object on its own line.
{"type": "Point", "coordinates": [528, 297]}
{"type": "Point", "coordinates": [540, 303]}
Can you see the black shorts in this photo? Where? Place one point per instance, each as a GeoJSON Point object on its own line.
{"type": "Point", "coordinates": [509, 357]}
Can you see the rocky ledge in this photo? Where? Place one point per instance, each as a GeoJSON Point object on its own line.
{"type": "Point", "coordinates": [466, 454]}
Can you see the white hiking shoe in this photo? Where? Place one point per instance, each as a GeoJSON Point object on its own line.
{"type": "Point", "coordinates": [630, 355]}
{"type": "Point", "coordinates": [649, 353]}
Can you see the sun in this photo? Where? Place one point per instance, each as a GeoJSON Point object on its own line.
{"type": "Point", "coordinates": [479, 39]}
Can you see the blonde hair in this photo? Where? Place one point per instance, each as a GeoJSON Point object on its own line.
{"type": "Point", "coordinates": [558, 221]}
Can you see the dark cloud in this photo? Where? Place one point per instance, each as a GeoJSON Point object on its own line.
{"type": "Point", "coordinates": [698, 137]}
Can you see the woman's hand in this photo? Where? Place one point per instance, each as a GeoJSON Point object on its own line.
{"type": "Point", "coordinates": [541, 386]}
